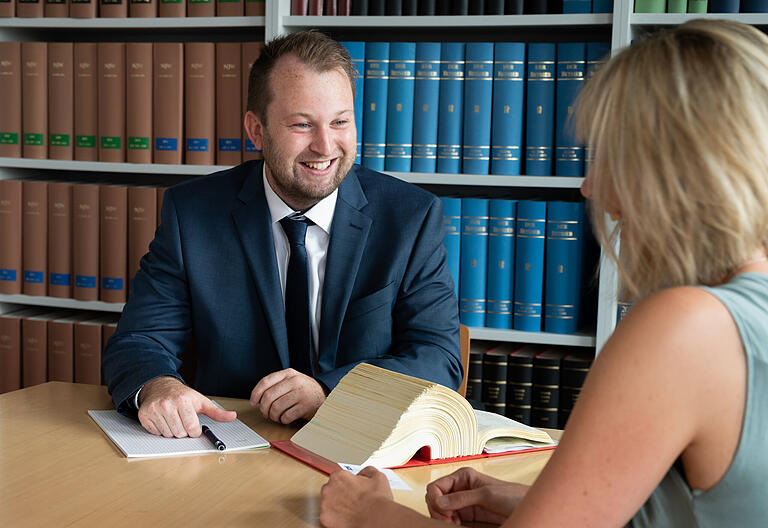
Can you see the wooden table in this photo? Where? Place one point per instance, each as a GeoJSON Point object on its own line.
{"type": "Point", "coordinates": [57, 468]}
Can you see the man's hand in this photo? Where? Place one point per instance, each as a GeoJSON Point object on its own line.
{"type": "Point", "coordinates": [287, 395]}
{"type": "Point", "coordinates": [348, 501]}
{"type": "Point", "coordinates": [169, 408]}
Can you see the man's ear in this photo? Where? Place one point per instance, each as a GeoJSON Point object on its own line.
{"type": "Point", "coordinates": [254, 129]}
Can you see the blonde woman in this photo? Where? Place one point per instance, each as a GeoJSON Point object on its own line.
{"type": "Point", "coordinates": [670, 428]}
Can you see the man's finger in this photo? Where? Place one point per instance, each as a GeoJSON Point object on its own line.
{"type": "Point", "coordinates": [281, 404]}
{"type": "Point", "coordinates": [370, 472]}
{"type": "Point", "coordinates": [208, 408]}
{"type": "Point", "coordinates": [458, 500]}
{"type": "Point", "coordinates": [268, 382]}
{"type": "Point", "coordinates": [190, 421]}
{"type": "Point", "coordinates": [173, 420]}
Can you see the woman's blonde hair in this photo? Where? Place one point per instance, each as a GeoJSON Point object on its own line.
{"type": "Point", "coordinates": [677, 125]}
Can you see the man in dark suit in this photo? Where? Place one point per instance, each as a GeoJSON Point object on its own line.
{"type": "Point", "coordinates": [286, 273]}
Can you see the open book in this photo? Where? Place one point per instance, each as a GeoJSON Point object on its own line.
{"type": "Point", "coordinates": [382, 418]}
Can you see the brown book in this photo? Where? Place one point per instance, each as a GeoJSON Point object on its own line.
{"type": "Point", "coordinates": [61, 341]}
{"type": "Point", "coordinates": [201, 8]}
{"type": "Point", "coordinates": [87, 348]}
{"type": "Point", "coordinates": [60, 239]}
{"type": "Point", "coordinates": [230, 7]}
{"type": "Point", "coordinates": [107, 329]}
{"type": "Point", "coordinates": [113, 8]}
{"type": "Point", "coordinates": [138, 103]}
{"type": "Point", "coordinates": [7, 10]}
{"type": "Point", "coordinates": [34, 347]}
{"type": "Point", "coordinates": [330, 8]}
{"type": "Point", "coordinates": [160, 195]}
{"type": "Point", "coordinates": [85, 241]}
{"type": "Point", "coordinates": [255, 7]}
{"type": "Point", "coordinates": [29, 8]}
{"type": "Point", "coordinates": [229, 117]}
{"type": "Point", "coordinates": [113, 204]}
{"type": "Point", "coordinates": [315, 8]}
{"type": "Point", "coordinates": [61, 118]}
{"type": "Point", "coordinates": [199, 94]}
{"type": "Point", "coordinates": [250, 52]}
{"type": "Point", "coordinates": [168, 115]}
{"type": "Point", "coordinates": [172, 8]}
{"type": "Point", "coordinates": [344, 8]}
{"type": "Point", "coordinates": [10, 99]}
{"type": "Point", "coordinates": [10, 347]}
{"type": "Point", "coordinates": [34, 107]}
{"type": "Point", "coordinates": [142, 222]}
{"type": "Point", "coordinates": [86, 100]}
{"type": "Point", "coordinates": [10, 236]}
{"type": "Point", "coordinates": [111, 101]}
{"type": "Point", "coordinates": [299, 7]}
{"type": "Point", "coordinates": [34, 238]}
{"type": "Point", "coordinates": [142, 8]}
{"type": "Point", "coordinates": [56, 8]}
{"type": "Point", "coordinates": [82, 8]}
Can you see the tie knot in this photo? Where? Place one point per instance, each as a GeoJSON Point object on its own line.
{"type": "Point", "coordinates": [295, 227]}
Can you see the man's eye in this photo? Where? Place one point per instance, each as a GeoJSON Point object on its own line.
{"type": "Point", "coordinates": [341, 122]}
{"type": "Point", "coordinates": [301, 125]}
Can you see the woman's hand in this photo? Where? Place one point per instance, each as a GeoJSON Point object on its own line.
{"type": "Point", "coordinates": [349, 500]}
{"type": "Point", "coordinates": [467, 495]}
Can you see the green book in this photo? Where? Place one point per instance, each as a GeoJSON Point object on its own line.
{"type": "Point", "coordinates": [649, 6]}
{"type": "Point", "coordinates": [676, 6]}
{"type": "Point", "coordinates": [697, 6]}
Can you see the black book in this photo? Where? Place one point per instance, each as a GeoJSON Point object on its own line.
{"type": "Point", "coordinates": [494, 7]}
{"type": "Point", "coordinates": [513, 7]}
{"type": "Point", "coordinates": [360, 7]}
{"type": "Point", "coordinates": [376, 8]}
{"type": "Point", "coordinates": [427, 7]}
{"type": "Point", "coordinates": [535, 7]}
{"type": "Point", "coordinates": [546, 388]}
{"type": "Point", "coordinates": [475, 369]}
{"type": "Point", "coordinates": [410, 7]}
{"type": "Point", "coordinates": [573, 373]}
{"type": "Point", "coordinates": [495, 380]}
{"type": "Point", "coordinates": [754, 6]}
{"type": "Point", "coordinates": [443, 7]}
{"type": "Point", "coordinates": [460, 7]}
{"type": "Point", "coordinates": [555, 7]}
{"type": "Point", "coordinates": [520, 383]}
{"type": "Point", "coordinates": [394, 7]}
{"type": "Point", "coordinates": [476, 7]}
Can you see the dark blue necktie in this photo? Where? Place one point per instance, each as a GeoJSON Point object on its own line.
{"type": "Point", "coordinates": [297, 317]}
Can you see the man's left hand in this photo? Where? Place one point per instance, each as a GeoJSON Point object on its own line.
{"type": "Point", "coordinates": [287, 395]}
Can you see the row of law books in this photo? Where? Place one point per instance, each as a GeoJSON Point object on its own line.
{"type": "Point", "coordinates": [137, 102]}
{"type": "Point", "coordinates": [130, 8]}
{"type": "Point", "coordinates": [533, 384]}
{"type": "Point", "coordinates": [42, 344]}
{"type": "Point", "coordinates": [446, 7]}
{"type": "Point", "coordinates": [518, 263]}
{"type": "Point", "coordinates": [701, 6]}
{"type": "Point", "coordinates": [74, 240]}
{"type": "Point", "coordinates": [473, 108]}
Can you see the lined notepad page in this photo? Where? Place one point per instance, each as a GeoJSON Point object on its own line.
{"type": "Point", "coordinates": [131, 438]}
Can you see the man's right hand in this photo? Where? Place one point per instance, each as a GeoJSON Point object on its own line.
{"type": "Point", "coordinates": [169, 408]}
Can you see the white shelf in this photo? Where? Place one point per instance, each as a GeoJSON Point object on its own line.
{"type": "Point", "coordinates": [475, 21]}
{"type": "Point", "coordinates": [674, 19]}
{"type": "Point", "coordinates": [102, 166]}
{"type": "Point", "coordinates": [133, 23]}
{"type": "Point", "coordinates": [490, 180]}
{"type": "Point", "coordinates": [544, 338]}
{"type": "Point", "coordinates": [57, 302]}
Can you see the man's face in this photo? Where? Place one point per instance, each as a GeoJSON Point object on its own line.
{"type": "Point", "coordinates": [309, 142]}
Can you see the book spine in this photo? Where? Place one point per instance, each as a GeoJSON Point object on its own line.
{"type": "Point", "coordinates": [10, 354]}
{"type": "Point", "coordinates": [443, 7]}
{"type": "Point", "coordinates": [107, 330]}
{"type": "Point", "coordinates": [540, 109]}
{"type": "Point", "coordinates": [34, 352]}
{"type": "Point", "coordinates": [494, 383]}
{"type": "Point", "coordinates": [255, 7]}
{"type": "Point", "coordinates": [402, 64]}
{"type": "Point", "coordinates": [10, 99]}
{"type": "Point", "coordinates": [85, 241]}
{"type": "Point", "coordinates": [426, 92]}
{"type": "Point", "coordinates": [56, 9]}
{"type": "Point", "coordinates": [7, 10]}
{"type": "Point", "coordinates": [138, 102]}
{"type": "Point", "coordinates": [111, 101]}
{"type": "Point", "coordinates": [410, 7]}
{"type": "Point", "coordinates": [697, 6]}
{"type": "Point", "coordinates": [201, 8]}
{"type": "Point", "coordinates": [474, 261]}
{"type": "Point", "coordinates": [344, 8]}
{"type": "Point", "coordinates": [676, 6]}
{"type": "Point", "coordinates": [474, 8]}
{"type": "Point", "coordinates": [87, 347]}
{"type": "Point", "coordinates": [426, 7]}
{"type": "Point", "coordinates": [142, 222]}
{"type": "Point", "coordinates": [721, 6]}
{"type": "Point", "coordinates": [29, 8]}
{"type": "Point", "coordinates": [475, 376]}
{"type": "Point", "coordinates": [571, 73]}
{"type": "Point", "coordinates": [394, 8]}
{"type": "Point", "coordinates": [375, 110]}
{"type": "Point", "coordinates": [597, 55]}
{"type": "Point", "coordinates": [546, 392]}
{"type": "Point", "coordinates": [360, 7]}
{"type": "Point", "coordinates": [250, 52]}
{"type": "Point", "coordinates": [461, 7]}
{"type": "Point", "coordinates": [113, 243]}
{"type": "Point", "coordinates": [750, 6]}
{"type": "Point", "coordinates": [61, 119]}
{"type": "Point", "coordinates": [315, 8]}
{"type": "Point", "coordinates": [299, 7]}
{"type": "Point", "coordinates": [34, 108]}
{"type": "Point", "coordinates": [229, 120]}
{"type": "Point", "coordinates": [230, 8]}
{"type": "Point", "coordinates": [376, 8]}
{"type": "Point", "coordinates": [168, 90]}
{"type": "Point", "coordinates": [452, 240]}
{"type": "Point", "coordinates": [10, 236]}
{"type": "Point", "coordinates": [82, 9]}
{"type": "Point", "coordinates": [60, 239]}
{"type": "Point", "coordinates": [572, 375]}
{"type": "Point", "coordinates": [61, 361]}
{"type": "Point", "coordinates": [199, 92]}
{"type": "Point", "coordinates": [34, 246]}
{"type": "Point", "coordinates": [478, 97]}
{"type": "Point", "coordinates": [603, 6]}
{"type": "Point", "coordinates": [172, 8]}
{"type": "Point", "coordinates": [529, 264]}
{"type": "Point", "coordinates": [86, 114]}
{"type": "Point", "coordinates": [113, 8]}
{"type": "Point", "coordinates": [451, 107]}
{"type": "Point", "coordinates": [565, 241]}
{"type": "Point", "coordinates": [649, 6]}
{"type": "Point", "coordinates": [577, 6]}
{"type": "Point", "coordinates": [513, 7]}
{"type": "Point", "coordinates": [535, 7]}
{"type": "Point", "coordinates": [357, 54]}
{"type": "Point", "coordinates": [519, 388]}
{"type": "Point", "coordinates": [494, 7]}
{"type": "Point", "coordinates": [142, 9]}
{"type": "Point", "coordinates": [508, 109]}
{"type": "Point", "coordinates": [501, 263]}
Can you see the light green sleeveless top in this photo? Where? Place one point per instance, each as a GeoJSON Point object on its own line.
{"type": "Point", "coordinates": [741, 497]}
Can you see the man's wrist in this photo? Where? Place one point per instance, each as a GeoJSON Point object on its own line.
{"type": "Point", "coordinates": [136, 398]}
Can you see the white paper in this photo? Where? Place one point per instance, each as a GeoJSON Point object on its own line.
{"type": "Point", "coordinates": [395, 482]}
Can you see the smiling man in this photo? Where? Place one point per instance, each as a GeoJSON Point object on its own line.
{"type": "Point", "coordinates": [287, 272]}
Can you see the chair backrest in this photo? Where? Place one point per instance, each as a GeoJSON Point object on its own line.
{"type": "Point", "coordinates": [464, 347]}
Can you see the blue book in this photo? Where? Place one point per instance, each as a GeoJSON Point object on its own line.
{"type": "Point", "coordinates": [474, 261]}
{"type": "Point", "coordinates": [602, 6]}
{"type": "Point", "coordinates": [375, 109]}
{"type": "Point", "coordinates": [577, 6]}
{"type": "Point", "coordinates": [754, 6]}
{"type": "Point", "coordinates": [501, 263]}
{"type": "Point", "coordinates": [451, 107]}
{"type": "Point", "coordinates": [529, 264]}
{"type": "Point", "coordinates": [478, 98]}
{"type": "Point", "coordinates": [402, 64]}
{"type": "Point", "coordinates": [452, 240]}
{"type": "Point", "coordinates": [540, 109]}
{"type": "Point", "coordinates": [357, 54]}
{"type": "Point", "coordinates": [598, 54]}
{"type": "Point", "coordinates": [508, 88]}
{"type": "Point", "coordinates": [426, 93]}
{"type": "Point", "coordinates": [562, 279]}
{"type": "Point", "coordinates": [571, 72]}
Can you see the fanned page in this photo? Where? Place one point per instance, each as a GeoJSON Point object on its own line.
{"type": "Point", "coordinates": [131, 438]}
{"type": "Point", "coordinates": [497, 434]}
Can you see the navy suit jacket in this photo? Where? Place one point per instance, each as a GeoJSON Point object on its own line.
{"type": "Point", "coordinates": [211, 276]}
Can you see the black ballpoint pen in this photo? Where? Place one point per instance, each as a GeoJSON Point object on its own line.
{"type": "Point", "coordinates": [218, 444]}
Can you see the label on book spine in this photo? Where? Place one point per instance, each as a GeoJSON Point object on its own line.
{"type": "Point", "coordinates": [8, 275]}
{"type": "Point", "coordinates": [250, 147]}
{"type": "Point", "coordinates": [110, 142]}
{"type": "Point", "coordinates": [59, 140]}
{"type": "Point", "coordinates": [61, 279]}
{"type": "Point", "coordinates": [197, 144]}
{"type": "Point", "coordinates": [111, 283]}
{"type": "Point", "coordinates": [33, 139]}
{"type": "Point", "coordinates": [36, 277]}
{"type": "Point", "coordinates": [166, 144]}
{"type": "Point", "coordinates": [230, 144]}
{"type": "Point", "coordinates": [85, 141]}
{"type": "Point", "coordinates": [85, 281]}
{"type": "Point", "coordinates": [138, 143]}
{"type": "Point", "coordinates": [9, 138]}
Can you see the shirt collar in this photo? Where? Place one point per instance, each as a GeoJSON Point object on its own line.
{"type": "Point", "coordinates": [321, 213]}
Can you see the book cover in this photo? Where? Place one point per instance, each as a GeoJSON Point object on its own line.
{"type": "Point", "coordinates": [56, 8]}
{"type": "Point", "coordinates": [529, 265]}
{"type": "Point", "coordinates": [598, 54]}
{"type": "Point", "coordinates": [721, 6]}
{"type": "Point", "coordinates": [753, 6]}
{"type": "Point", "coordinates": [697, 6]}
{"type": "Point", "coordinates": [10, 347]}
{"type": "Point", "coordinates": [577, 6]}
{"type": "Point", "coordinates": [427, 7]}
{"type": "Point", "coordinates": [7, 10]}
{"type": "Point", "coordinates": [168, 91]}
{"type": "Point", "coordinates": [160, 196]}
{"type": "Point", "coordinates": [230, 8]}
{"type": "Point", "coordinates": [61, 118]}
{"type": "Point", "coordinates": [34, 244]}
{"type": "Point", "coordinates": [461, 7]}
{"type": "Point", "coordinates": [508, 108]}
{"type": "Point", "coordinates": [172, 8]}
{"type": "Point", "coordinates": [299, 7]}
{"type": "Point", "coordinates": [111, 101]}
{"type": "Point", "coordinates": [29, 8]}
{"type": "Point", "coordinates": [451, 108]}
{"type": "Point", "coordinates": [10, 99]}
{"type": "Point", "coordinates": [142, 8]}
{"type": "Point", "coordinates": [142, 222]}
{"type": "Point", "coordinates": [602, 6]}
{"type": "Point", "coordinates": [85, 241]}
{"type": "Point", "coordinates": [315, 8]}
{"type": "Point", "coordinates": [573, 371]}
{"type": "Point", "coordinates": [571, 73]}
{"type": "Point", "coordinates": [199, 93]}
{"type": "Point", "coordinates": [82, 8]}
{"type": "Point", "coordinates": [402, 64]}
{"type": "Point", "coordinates": [138, 102]}
{"type": "Point", "coordinates": [113, 8]}
{"type": "Point", "coordinates": [10, 236]}
{"type": "Point", "coordinates": [477, 349]}
{"type": "Point", "coordinates": [201, 8]}
{"type": "Point", "coordinates": [452, 240]}
{"type": "Point", "coordinates": [426, 92]}
{"type": "Point", "coordinates": [513, 7]}
{"type": "Point", "coordinates": [60, 239]}
{"type": "Point", "coordinates": [501, 263]}
{"type": "Point", "coordinates": [61, 341]}
{"type": "Point", "coordinates": [443, 7]}
{"type": "Point", "coordinates": [394, 8]}
{"type": "Point", "coordinates": [229, 119]}
{"type": "Point", "coordinates": [535, 7]}
{"type": "Point", "coordinates": [359, 7]}
{"type": "Point", "coordinates": [520, 382]}
{"type": "Point", "coordinates": [410, 7]}
{"type": "Point", "coordinates": [376, 7]}
{"type": "Point", "coordinates": [113, 243]}
{"type": "Point", "coordinates": [546, 388]}
{"type": "Point", "coordinates": [34, 107]}
{"type": "Point", "coordinates": [540, 109]}
{"type": "Point", "coordinates": [375, 109]}
{"type": "Point", "coordinates": [649, 6]}
{"type": "Point", "coordinates": [474, 261]}
{"type": "Point", "coordinates": [494, 7]}
{"type": "Point", "coordinates": [495, 380]}
{"type": "Point", "coordinates": [34, 349]}
{"type": "Point", "coordinates": [87, 349]}
{"type": "Point", "coordinates": [330, 8]}
{"type": "Point", "coordinates": [255, 7]}
{"type": "Point", "coordinates": [344, 7]}
{"type": "Point", "coordinates": [356, 52]}
{"type": "Point", "coordinates": [250, 52]}
{"type": "Point", "coordinates": [86, 102]}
